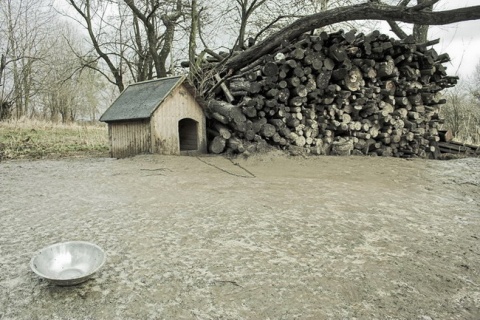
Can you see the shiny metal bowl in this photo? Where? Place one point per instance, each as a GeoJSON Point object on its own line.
{"type": "Point", "coordinates": [68, 263]}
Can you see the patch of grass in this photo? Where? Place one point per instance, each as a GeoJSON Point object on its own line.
{"type": "Point", "coordinates": [37, 139]}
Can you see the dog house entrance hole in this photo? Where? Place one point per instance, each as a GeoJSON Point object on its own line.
{"type": "Point", "coordinates": [188, 134]}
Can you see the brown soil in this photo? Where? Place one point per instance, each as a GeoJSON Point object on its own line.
{"type": "Point", "coordinates": [269, 237]}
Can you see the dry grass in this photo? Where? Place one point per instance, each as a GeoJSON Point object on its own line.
{"type": "Point", "coordinates": [32, 139]}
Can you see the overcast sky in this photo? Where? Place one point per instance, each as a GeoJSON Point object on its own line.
{"type": "Point", "coordinates": [461, 40]}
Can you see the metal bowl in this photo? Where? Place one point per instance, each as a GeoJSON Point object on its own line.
{"type": "Point", "coordinates": [68, 263]}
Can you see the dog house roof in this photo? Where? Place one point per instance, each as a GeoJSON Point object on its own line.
{"type": "Point", "coordinates": [141, 99]}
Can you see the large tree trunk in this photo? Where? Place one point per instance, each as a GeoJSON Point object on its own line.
{"type": "Point", "coordinates": [420, 31]}
{"type": "Point", "coordinates": [365, 11]}
{"type": "Point", "coordinates": [3, 64]}
{"type": "Point", "coordinates": [159, 58]}
{"type": "Point", "coordinates": [192, 42]}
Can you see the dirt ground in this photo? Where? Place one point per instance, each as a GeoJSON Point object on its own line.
{"type": "Point", "coordinates": [269, 237]}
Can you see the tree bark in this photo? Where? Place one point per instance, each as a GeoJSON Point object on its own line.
{"type": "Point", "coordinates": [192, 42]}
{"type": "Point", "coordinates": [159, 58]}
{"type": "Point", "coordinates": [246, 11]}
{"type": "Point", "coordinates": [170, 25]}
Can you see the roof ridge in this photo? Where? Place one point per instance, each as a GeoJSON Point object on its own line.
{"type": "Point", "coordinates": [136, 103]}
{"type": "Point", "coordinates": [153, 80]}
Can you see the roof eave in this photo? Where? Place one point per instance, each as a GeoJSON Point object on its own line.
{"type": "Point", "coordinates": [122, 120]}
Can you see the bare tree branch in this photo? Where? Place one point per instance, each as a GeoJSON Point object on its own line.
{"type": "Point", "coordinates": [86, 63]}
{"type": "Point", "coordinates": [369, 11]}
{"type": "Point", "coordinates": [271, 24]}
{"type": "Point", "coordinates": [159, 58]}
{"type": "Point", "coordinates": [394, 25]}
{"type": "Point", "coordinates": [88, 20]}
{"type": "Point", "coordinates": [200, 33]}
{"type": "Point", "coordinates": [246, 11]}
{"type": "Point", "coordinates": [403, 3]}
{"type": "Point", "coordinates": [397, 30]}
{"type": "Point", "coordinates": [423, 5]}
{"type": "Point", "coordinates": [3, 64]}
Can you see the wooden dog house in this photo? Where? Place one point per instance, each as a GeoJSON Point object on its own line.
{"type": "Point", "coordinates": [157, 116]}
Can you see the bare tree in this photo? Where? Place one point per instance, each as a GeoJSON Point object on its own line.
{"type": "Point", "coordinates": [23, 29]}
{"type": "Point", "coordinates": [462, 113]}
{"type": "Point", "coordinates": [143, 33]}
{"type": "Point", "coordinates": [87, 10]}
{"type": "Point", "coordinates": [143, 58]}
{"type": "Point", "coordinates": [192, 41]}
{"type": "Point", "coordinates": [149, 18]}
{"type": "Point", "coordinates": [476, 84]}
{"type": "Point", "coordinates": [246, 8]}
{"type": "Point", "coordinates": [69, 90]}
{"type": "Point", "coordinates": [5, 105]}
{"type": "Point", "coordinates": [419, 31]}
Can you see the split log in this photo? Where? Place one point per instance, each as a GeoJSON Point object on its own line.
{"type": "Point", "coordinates": [217, 145]}
{"type": "Point", "coordinates": [222, 131]}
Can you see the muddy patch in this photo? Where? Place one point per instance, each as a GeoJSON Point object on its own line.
{"type": "Point", "coordinates": [266, 237]}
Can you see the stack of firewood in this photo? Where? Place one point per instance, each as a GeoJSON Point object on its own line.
{"type": "Point", "coordinates": [340, 93]}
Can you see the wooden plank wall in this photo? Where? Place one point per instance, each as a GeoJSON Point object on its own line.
{"type": "Point", "coordinates": [179, 105]}
{"type": "Point", "coordinates": [128, 138]}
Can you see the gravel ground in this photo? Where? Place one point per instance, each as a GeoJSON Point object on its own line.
{"type": "Point", "coordinates": [269, 237]}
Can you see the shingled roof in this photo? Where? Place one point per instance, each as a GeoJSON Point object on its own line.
{"type": "Point", "coordinates": [141, 99]}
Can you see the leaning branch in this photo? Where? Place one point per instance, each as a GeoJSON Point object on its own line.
{"type": "Point", "coordinates": [365, 11]}
{"type": "Point", "coordinates": [397, 30]}
{"type": "Point", "coordinates": [272, 23]}
{"type": "Point", "coordinates": [394, 25]}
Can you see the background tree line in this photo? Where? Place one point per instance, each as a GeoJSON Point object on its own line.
{"type": "Point", "coordinates": [39, 73]}
{"type": "Point", "coordinates": [65, 60]}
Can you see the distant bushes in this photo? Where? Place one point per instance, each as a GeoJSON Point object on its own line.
{"type": "Point", "coordinates": [37, 139]}
{"type": "Point", "coordinates": [462, 113]}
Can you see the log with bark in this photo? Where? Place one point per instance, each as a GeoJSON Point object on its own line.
{"type": "Point", "coordinates": [341, 93]}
